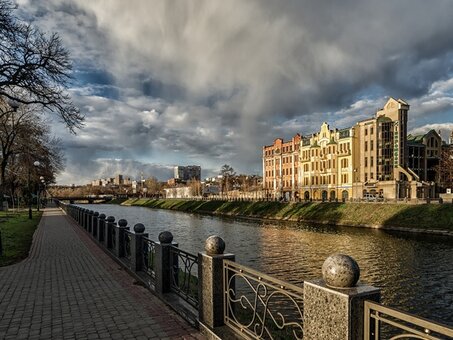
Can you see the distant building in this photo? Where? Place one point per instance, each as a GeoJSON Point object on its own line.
{"type": "Point", "coordinates": [450, 140]}
{"type": "Point", "coordinates": [186, 173]}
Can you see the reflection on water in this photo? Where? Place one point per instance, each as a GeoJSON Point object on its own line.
{"type": "Point", "coordinates": [415, 272]}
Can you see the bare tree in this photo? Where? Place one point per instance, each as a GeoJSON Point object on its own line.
{"type": "Point", "coordinates": [35, 68]}
{"type": "Point", "coordinates": [444, 169]}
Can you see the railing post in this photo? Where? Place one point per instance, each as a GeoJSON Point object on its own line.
{"type": "Point", "coordinates": [334, 305]}
{"type": "Point", "coordinates": [95, 224]}
{"type": "Point", "coordinates": [210, 282]}
{"type": "Point", "coordinates": [85, 219]}
{"type": "Point", "coordinates": [119, 242]}
{"type": "Point", "coordinates": [137, 247]}
{"type": "Point", "coordinates": [101, 234]}
{"type": "Point", "coordinates": [162, 263]}
{"type": "Point", "coordinates": [90, 221]}
{"type": "Point", "coordinates": [110, 225]}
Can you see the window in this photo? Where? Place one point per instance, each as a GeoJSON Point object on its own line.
{"type": "Point", "coordinates": [366, 177]}
{"type": "Point", "coordinates": [366, 161]}
{"type": "Point", "coordinates": [366, 145]}
{"type": "Point", "coordinates": [371, 130]}
{"type": "Point", "coordinates": [366, 132]}
{"type": "Point", "coordinates": [372, 145]}
{"type": "Point", "coordinates": [371, 162]}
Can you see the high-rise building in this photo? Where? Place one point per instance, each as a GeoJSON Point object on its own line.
{"type": "Point", "coordinates": [186, 173]}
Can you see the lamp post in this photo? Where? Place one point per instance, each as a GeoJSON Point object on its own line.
{"type": "Point", "coordinates": [30, 215]}
{"type": "Point", "coordinates": [41, 179]}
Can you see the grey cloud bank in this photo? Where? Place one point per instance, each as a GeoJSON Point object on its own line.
{"type": "Point", "coordinates": [210, 82]}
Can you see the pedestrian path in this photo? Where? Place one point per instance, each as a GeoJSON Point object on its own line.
{"type": "Point", "coordinates": [68, 288]}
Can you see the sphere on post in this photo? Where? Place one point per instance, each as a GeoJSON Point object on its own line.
{"type": "Point", "coordinates": [165, 237]}
{"type": "Point", "coordinates": [214, 245]}
{"type": "Point", "coordinates": [139, 228]}
{"type": "Point", "coordinates": [110, 219]}
{"type": "Point", "coordinates": [102, 216]}
{"type": "Point", "coordinates": [340, 271]}
{"type": "Point", "coordinates": [96, 214]}
{"type": "Point", "coordinates": [122, 223]}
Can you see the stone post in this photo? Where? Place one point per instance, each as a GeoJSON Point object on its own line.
{"type": "Point", "coordinates": [137, 247]}
{"type": "Point", "coordinates": [210, 282]}
{"type": "Point", "coordinates": [119, 235]}
{"type": "Point", "coordinates": [162, 262]}
{"type": "Point", "coordinates": [90, 221]}
{"type": "Point", "coordinates": [334, 306]}
{"type": "Point", "coordinates": [85, 219]}
{"type": "Point", "coordinates": [101, 234]}
{"type": "Point", "coordinates": [110, 225]}
{"type": "Point", "coordinates": [78, 215]}
{"type": "Point", "coordinates": [95, 224]}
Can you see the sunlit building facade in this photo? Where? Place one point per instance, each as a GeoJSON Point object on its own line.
{"type": "Point", "coordinates": [375, 158]}
{"type": "Point", "coordinates": [280, 168]}
{"type": "Point", "coordinates": [326, 169]}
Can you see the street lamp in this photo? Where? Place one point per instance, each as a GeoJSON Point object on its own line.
{"type": "Point", "coordinates": [36, 164]}
{"type": "Point", "coordinates": [41, 178]}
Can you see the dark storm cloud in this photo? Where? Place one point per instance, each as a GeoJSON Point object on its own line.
{"type": "Point", "coordinates": [211, 81]}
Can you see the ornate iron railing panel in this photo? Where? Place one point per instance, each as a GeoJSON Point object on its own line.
{"type": "Point", "coordinates": [149, 256]}
{"type": "Point", "coordinates": [127, 245]}
{"type": "Point", "coordinates": [400, 325]}
{"type": "Point", "coordinates": [260, 306]}
{"type": "Point", "coordinates": [184, 275]}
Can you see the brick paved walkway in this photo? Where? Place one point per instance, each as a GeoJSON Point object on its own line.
{"type": "Point", "coordinates": [68, 288]}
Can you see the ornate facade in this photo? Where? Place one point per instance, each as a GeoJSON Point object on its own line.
{"type": "Point", "coordinates": [374, 158]}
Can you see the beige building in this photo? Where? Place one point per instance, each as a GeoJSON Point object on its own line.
{"type": "Point", "coordinates": [380, 163]}
{"type": "Point", "coordinates": [371, 159]}
{"type": "Point", "coordinates": [280, 168]}
{"type": "Point", "coordinates": [326, 167]}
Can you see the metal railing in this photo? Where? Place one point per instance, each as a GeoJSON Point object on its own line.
{"type": "Point", "coordinates": [127, 245]}
{"type": "Point", "coordinates": [184, 276]}
{"type": "Point", "coordinates": [149, 256]}
{"type": "Point", "coordinates": [400, 325]}
{"type": "Point", "coordinates": [260, 306]}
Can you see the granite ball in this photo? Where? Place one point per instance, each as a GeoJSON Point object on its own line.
{"type": "Point", "coordinates": [110, 219]}
{"type": "Point", "coordinates": [165, 237]}
{"type": "Point", "coordinates": [139, 228]}
{"type": "Point", "coordinates": [102, 216]}
{"type": "Point", "coordinates": [214, 245]}
{"type": "Point", "coordinates": [122, 222]}
{"type": "Point", "coordinates": [96, 214]}
{"type": "Point", "coordinates": [340, 271]}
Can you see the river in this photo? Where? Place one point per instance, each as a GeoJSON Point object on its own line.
{"type": "Point", "coordinates": [415, 272]}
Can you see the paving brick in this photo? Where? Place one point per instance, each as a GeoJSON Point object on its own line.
{"type": "Point", "coordinates": [68, 288]}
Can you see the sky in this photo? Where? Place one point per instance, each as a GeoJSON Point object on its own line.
{"type": "Point", "coordinates": [209, 82]}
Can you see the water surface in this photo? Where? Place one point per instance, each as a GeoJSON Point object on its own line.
{"type": "Point", "coordinates": [415, 272]}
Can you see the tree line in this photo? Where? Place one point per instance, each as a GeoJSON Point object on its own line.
{"type": "Point", "coordinates": [35, 72]}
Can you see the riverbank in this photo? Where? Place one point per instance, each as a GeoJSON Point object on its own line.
{"type": "Point", "coordinates": [432, 218]}
{"type": "Point", "coordinates": [17, 235]}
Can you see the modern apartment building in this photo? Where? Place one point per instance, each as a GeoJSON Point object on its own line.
{"type": "Point", "coordinates": [280, 168]}
{"type": "Point", "coordinates": [186, 173]}
{"type": "Point", "coordinates": [373, 158]}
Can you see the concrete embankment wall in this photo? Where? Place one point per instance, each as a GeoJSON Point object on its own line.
{"type": "Point", "coordinates": [437, 218]}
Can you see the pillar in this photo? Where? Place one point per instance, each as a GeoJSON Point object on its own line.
{"type": "Point", "coordinates": [334, 305]}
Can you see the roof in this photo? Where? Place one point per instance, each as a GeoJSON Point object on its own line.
{"type": "Point", "coordinates": [415, 138]}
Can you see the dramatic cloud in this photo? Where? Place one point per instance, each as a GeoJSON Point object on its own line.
{"type": "Point", "coordinates": [209, 82]}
